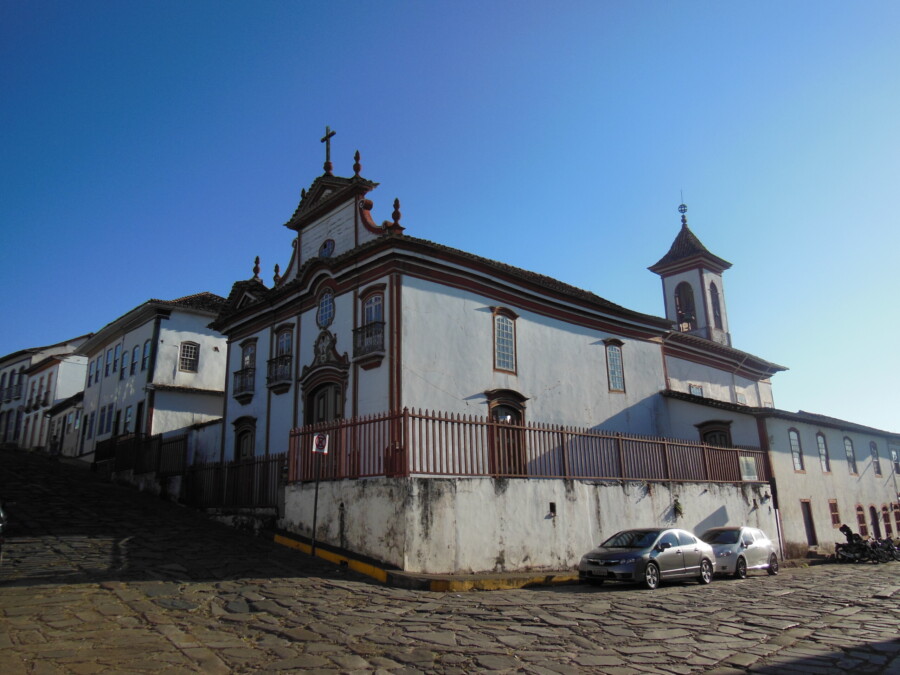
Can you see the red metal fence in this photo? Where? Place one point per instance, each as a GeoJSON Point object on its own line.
{"type": "Point", "coordinates": [437, 444]}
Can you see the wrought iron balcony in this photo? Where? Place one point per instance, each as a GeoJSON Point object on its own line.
{"type": "Point", "coordinates": [369, 339]}
{"type": "Point", "coordinates": [244, 384]}
{"type": "Point", "coordinates": [279, 374]}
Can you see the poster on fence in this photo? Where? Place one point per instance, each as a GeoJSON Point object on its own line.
{"type": "Point", "coordinates": [320, 443]}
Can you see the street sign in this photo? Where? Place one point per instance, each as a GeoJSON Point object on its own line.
{"type": "Point", "coordinates": [320, 443]}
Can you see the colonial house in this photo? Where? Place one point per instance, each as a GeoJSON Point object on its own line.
{"type": "Point", "coordinates": [421, 361]}
{"type": "Point", "coordinates": [829, 472]}
{"type": "Point", "coordinates": [155, 369]}
{"type": "Point", "coordinates": [50, 381]}
{"type": "Point", "coordinates": [65, 425]}
{"type": "Point", "coordinates": [31, 380]}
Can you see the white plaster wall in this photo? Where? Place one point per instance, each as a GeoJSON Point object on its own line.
{"type": "Point", "coordinates": [865, 489]}
{"type": "Point", "coordinates": [337, 225]}
{"type": "Point", "coordinates": [70, 377]}
{"type": "Point", "coordinates": [174, 410]}
{"type": "Point", "coordinates": [683, 416]}
{"type": "Point", "coordinates": [448, 364]}
{"type": "Point", "coordinates": [471, 525]}
{"type": "Point", "coordinates": [717, 384]}
{"type": "Point", "coordinates": [204, 443]}
{"type": "Point", "coordinates": [181, 327]}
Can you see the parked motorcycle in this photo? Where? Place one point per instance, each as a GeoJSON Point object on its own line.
{"type": "Point", "coordinates": [888, 548]}
{"type": "Point", "coordinates": [856, 550]}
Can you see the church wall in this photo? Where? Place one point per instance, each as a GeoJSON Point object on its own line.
{"type": "Point", "coordinates": [561, 368]}
{"type": "Point", "coordinates": [717, 384]}
{"type": "Point", "coordinates": [470, 525]}
{"type": "Point", "coordinates": [256, 407]}
{"type": "Point", "coordinates": [683, 416]}
{"type": "Point", "coordinates": [818, 487]}
{"type": "Point", "coordinates": [338, 225]}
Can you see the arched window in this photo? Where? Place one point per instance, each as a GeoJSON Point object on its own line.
{"type": "Point", "coordinates": [325, 312]}
{"type": "Point", "coordinates": [145, 361]}
{"type": "Point", "coordinates": [861, 521]}
{"type": "Point", "coordinates": [715, 432]}
{"type": "Point", "coordinates": [876, 461]}
{"type": "Point", "coordinates": [615, 367]}
{"type": "Point", "coordinates": [796, 449]}
{"type": "Point", "coordinates": [876, 526]}
{"type": "Point", "coordinates": [135, 354]}
{"type": "Point", "coordinates": [506, 409]}
{"type": "Point", "coordinates": [886, 518]}
{"type": "Point", "coordinates": [504, 339]}
{"type": "Point", "coordinates": [716, 305]}
{"type": "Point", "coordinates": [824, 460]}
{"type": "Point", "coordinates": [244, 437]}
{"type": "Point", "coordinates": [851, 456]}
{"type": "Point", "coordinates": [686, 315]}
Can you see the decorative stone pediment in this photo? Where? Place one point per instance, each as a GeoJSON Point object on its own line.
{"type": "Point", "coordinates": [325, 357]}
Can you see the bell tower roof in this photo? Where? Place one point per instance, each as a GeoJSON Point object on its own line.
{"type": "Point", "coordinates": [688, 251]}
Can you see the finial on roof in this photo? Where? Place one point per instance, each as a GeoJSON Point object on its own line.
{"type": "Point", "coordinates": [326, 139]}
{"type": "Point", "coordinates": [303, 193]}
{"type": "Point", "coordinates": [256, 268]}
{"type": "Point", "coordinates": [277, 276]}
{"type": "Point", "coordinates": [396, 214]}
{"type": "Point", "coordinates": [682, 209]}
{"type": "Point", "coordinates": [357, 167]}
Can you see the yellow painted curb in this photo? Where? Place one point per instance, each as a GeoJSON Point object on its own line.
{"type": "Point", "coordinates": [355, 565]}
{"type": "Point", "coordinates": [436, 585]}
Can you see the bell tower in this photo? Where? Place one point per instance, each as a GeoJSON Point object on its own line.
{"type": "Point", "coordinates": [692, 286]}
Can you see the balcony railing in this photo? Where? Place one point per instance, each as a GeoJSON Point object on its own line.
{"type": "Point", "coordinates": [244, 385]}
{"type": "Point", "coordinates": [279, 371]}
{"type": "Point", "coordinates": [368, 339]}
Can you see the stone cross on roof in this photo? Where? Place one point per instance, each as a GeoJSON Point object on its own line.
{"type": "Point", "coordinates": [326, 139]}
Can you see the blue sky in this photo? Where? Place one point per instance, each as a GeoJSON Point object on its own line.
{"type": "Point", "coordinates": [153, 149]}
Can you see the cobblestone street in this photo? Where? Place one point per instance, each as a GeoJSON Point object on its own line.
{"type": "Point", "coordinates": [99, 578]}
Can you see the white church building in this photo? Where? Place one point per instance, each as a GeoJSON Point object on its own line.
{"type": "Point", "coordinates": [480, 416]}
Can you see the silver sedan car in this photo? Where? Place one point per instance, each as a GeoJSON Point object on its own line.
{"type": "Point", "coordinates": [648, 556]}
{"type": "Point", "coordinates": [739, 549]}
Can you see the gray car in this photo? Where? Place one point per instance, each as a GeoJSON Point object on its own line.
{"type": "Point", "coordinates": [739, 549]}
{"type": "Point", "coordinates": [648, 556]}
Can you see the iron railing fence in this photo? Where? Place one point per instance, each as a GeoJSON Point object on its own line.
{"type": "Point", "coordinates": [427, 443]}
{"type": "Point", "coordinates": [144, 454]}
{"type": "Point", "coordinates": [245, 483]}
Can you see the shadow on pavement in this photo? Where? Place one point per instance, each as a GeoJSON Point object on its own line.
{"type": "Point", "coordinates": [68, 525]}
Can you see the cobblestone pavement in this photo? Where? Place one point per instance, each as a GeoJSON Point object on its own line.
{"type": "Point", "coordinates": [98, 578]}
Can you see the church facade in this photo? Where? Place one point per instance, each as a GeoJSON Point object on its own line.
{"type": "Point", "coordinates": [367, 321]}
